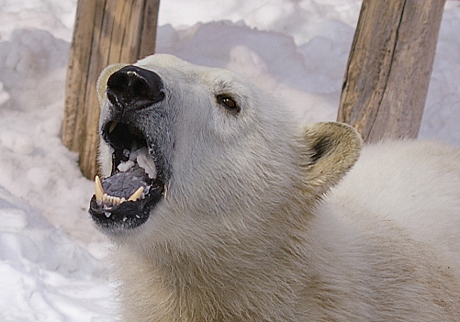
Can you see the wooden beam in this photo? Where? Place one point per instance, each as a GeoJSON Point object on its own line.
{"type": "Point", "coordinates": [389, 67]}
{"type": "Point", "coordinates": [106, 32]}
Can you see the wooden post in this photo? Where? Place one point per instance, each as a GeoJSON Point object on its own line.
{"type": "Point", "coordinates": [389, 67]}
{"type": "Point", "coordinates": [106, 32]}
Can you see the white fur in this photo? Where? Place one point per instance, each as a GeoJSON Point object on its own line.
{"type": "Point", "coordinates": [254, 227]}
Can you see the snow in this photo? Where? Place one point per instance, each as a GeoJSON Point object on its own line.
{"type": "Point", "coordinates": [53, 262]}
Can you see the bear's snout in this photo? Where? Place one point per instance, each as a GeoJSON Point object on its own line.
{"type": "Point", "coordinates": [133, 88]}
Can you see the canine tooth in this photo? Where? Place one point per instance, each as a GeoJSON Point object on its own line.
{"type": "Point", "coordinates": [113, 126]}
{"type": "Point", "coordinates": [165, 191]}
{"type": "Point", "coordinates": [98, 188]}
{"type": "Point", "coordinates": [137, 194]}
{"type": "Point", "coordinates": [145, 161]}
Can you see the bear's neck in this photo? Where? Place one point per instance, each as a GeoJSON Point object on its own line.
{"type": "Point", "coordinates": [236, 278]}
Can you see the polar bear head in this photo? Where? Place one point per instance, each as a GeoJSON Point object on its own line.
{"type": "Point", "coordinates": [189, 150]}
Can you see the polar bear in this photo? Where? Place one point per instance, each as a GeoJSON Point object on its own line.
{"type": "Point", "coordinates": [223, 207]}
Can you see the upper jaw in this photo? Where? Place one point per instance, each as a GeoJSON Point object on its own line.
{"type": "Point", "coordinates": [133, 124]}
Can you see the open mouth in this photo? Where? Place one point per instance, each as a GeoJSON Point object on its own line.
{"type": "Point", "coordinates": [135, 185]}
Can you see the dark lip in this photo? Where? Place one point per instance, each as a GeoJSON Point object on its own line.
{"type": "Point", "coordinates": [129, 214]}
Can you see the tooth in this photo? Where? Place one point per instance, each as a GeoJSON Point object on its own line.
{"type": "Point", "coordinates": [137, 194]}
{"type": "Point", "coordinates": [112, 199]}
{"type": "Point", "coordinates": [117, 200]}
{"type": "Point", "coordinates": [144, 160]}
{"type": "Point", "coordinates": [98, 188]}
{"type": "Point", "coordinates": [165, 191]}
{"type": "Point", "coordinates": [113, 126]}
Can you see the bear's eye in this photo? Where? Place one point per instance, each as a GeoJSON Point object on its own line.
{"type": "Point", "coordinates": [228, 103]}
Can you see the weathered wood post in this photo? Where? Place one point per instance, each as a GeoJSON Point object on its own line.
{"type": "Point", "coordinates": [389, 67]}
{"type": "Point", "coordinates": [106, 32]}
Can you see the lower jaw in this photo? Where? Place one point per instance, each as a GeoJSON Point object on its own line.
{"type": "Point", "coordinates": [125, 216]}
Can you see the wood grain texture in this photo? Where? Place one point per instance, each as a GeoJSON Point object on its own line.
{"type": "Point", "coordinates": [389, 67]}
{"type": "Point", "coordinates": [106, 32]}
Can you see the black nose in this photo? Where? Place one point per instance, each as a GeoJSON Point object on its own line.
{"type": "Point", "coordinates": [134, 88]}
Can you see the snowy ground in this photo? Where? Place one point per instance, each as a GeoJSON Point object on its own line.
{"type": "Point", "coordinates": [53, 263]}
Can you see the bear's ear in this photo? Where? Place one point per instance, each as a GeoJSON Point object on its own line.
{"type": "Point", "coordinates": [102, 80]}
{"type": "Point", "coordinates": [331, 149]}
